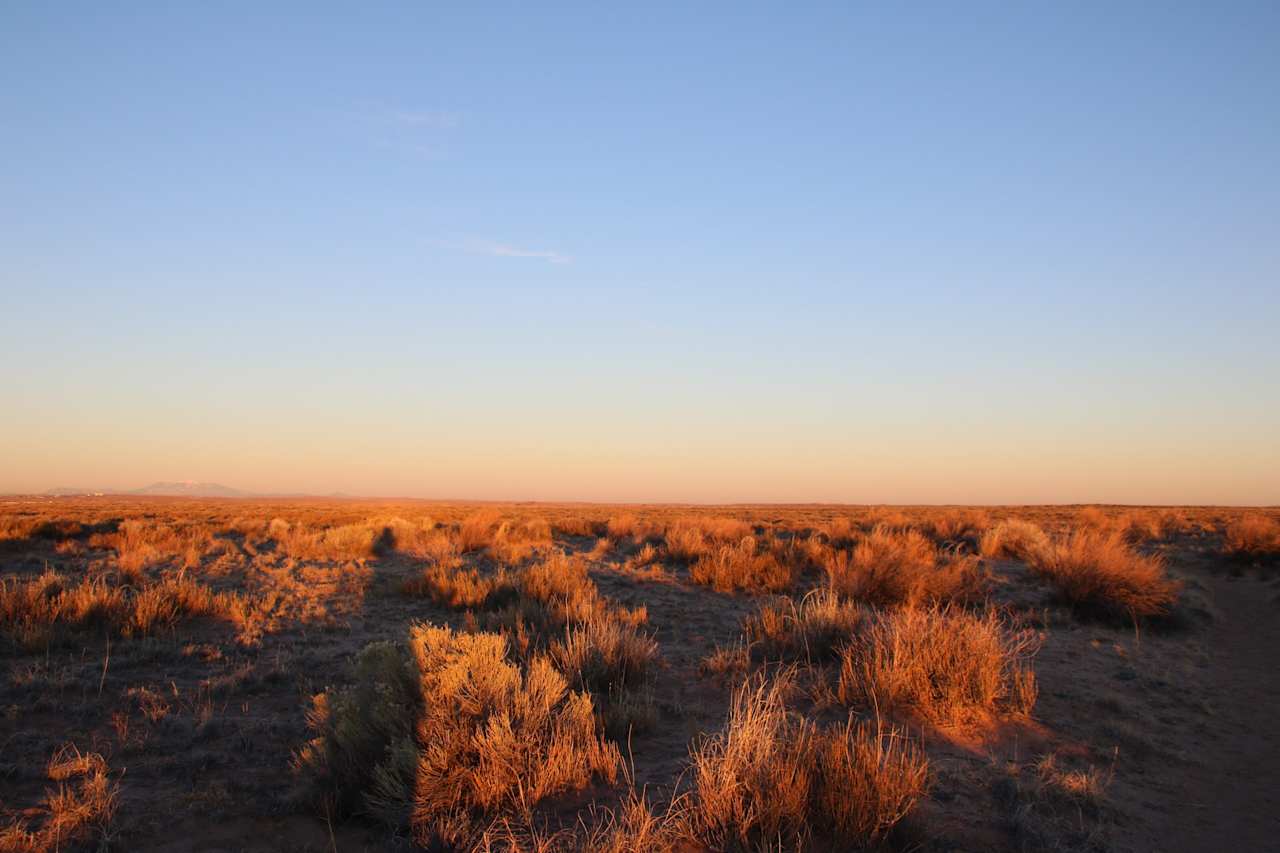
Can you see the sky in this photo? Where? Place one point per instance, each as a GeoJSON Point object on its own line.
{"type": "Point", "coordinates": [865, 253]}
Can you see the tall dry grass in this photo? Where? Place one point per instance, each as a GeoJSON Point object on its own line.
{"type": "Point", "coordinates": [744, 565]}
{"type": "Point", "coordinates": [944, 665]}
{"type": "Point", "coordinates": [771, 780]}
{"type": "Point", "coordinates": [31, 611]}
{"type": "Point", "coordinates": [889, 568]}
{"type": "Point", "coordinates": [1099, 574]}
{"type": "Point", "coordinates": [1015, 539]}
{"type": "Point", "coordinates": [812, 630]}
{"type": "Point", "coordinates": [1252, 536]}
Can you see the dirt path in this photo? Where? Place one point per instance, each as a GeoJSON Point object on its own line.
{"type": "Point", "coordinates": [1231, 796]}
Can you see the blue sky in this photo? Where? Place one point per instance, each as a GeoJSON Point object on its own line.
{"type": "Point", "coordinates": [989, 252]}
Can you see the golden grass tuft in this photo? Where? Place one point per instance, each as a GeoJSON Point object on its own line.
{"type": "Point", "coordinates": [494, 738]}
{"type": "Point", "coordinates": [604, 653]}
{"type": "Point", "coordinates": [458, 588]}
{"type": "Point", "coordinates": [889, 568]}
{"type": "Point", "coordinates": [73, 815]}
{"type": "Point", "coordinates": [942, 664]}
{"type": "Point", "coordinates": [1252, 536]}
{"type": "Point", "coordinates": [772, 780]}
{"type": "Point", "coordinates": [31, 609]}
{"type": "Point", "coordinates": [1098, 573]}
{"type": "Point", "coordinates": [743, 566]}
{"type": "Point", "coordinates": [812, 630]}
{"type": "Point", "coordinates": [1014, 539]}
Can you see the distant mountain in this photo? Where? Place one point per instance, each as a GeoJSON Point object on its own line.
{"type": "Point", "coordinates": [183, 488]}
{"type": "Point", "coordinates": [191, 489]}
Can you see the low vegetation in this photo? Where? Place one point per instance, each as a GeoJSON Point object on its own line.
{"type": "Point", "coordinates": [1100, 574]}
{"type": "Point", "coordinates": [498, 677]}
{"type": "Point", "coordinates": [889, 568]}
{"type": "Point", "coordinates": [943, 665]}
{"type": "Point", "coordinates": [1253, 537]}
{"type": "Point", "coordinates": [774, 780]}
{"type": "Point", "coordinates": [76, 813]}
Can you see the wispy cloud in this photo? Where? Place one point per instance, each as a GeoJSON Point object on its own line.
{"type": "Point", "coordinates": [424, 118]}
{"type": "Point", "coordinates": [506, 250]}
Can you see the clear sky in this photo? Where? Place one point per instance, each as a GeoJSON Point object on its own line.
{"type": "Point", "coordinates": [951, 252]}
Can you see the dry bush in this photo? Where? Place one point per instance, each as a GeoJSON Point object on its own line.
{"type": "Point", "coordinates": [1014, 539]}
{"type": "Point", "coordinates": [494, 739]}
{"type": "Point", "coordinates": [475, 532]}
{"type": "Point", "coordinates": [362, 756]}
{"type": "Point", "coordinates": [626, 526]}
{"type": "Point", "coordinates": [604, 653]}
{"type": "Point", "coordinates": [1092, 518]}
{"type": "Point", "coordinates": [771, 780]}
{"type": "Point", "coordinates": [686, 544]}
{"type": "Point", "coordinates": [579, 525]}
{"type": "Point", "coordinates": [743, 566]}
{"type": "Point", "coordinates": [840, 532]}
{"type": "Point", "coordinates": [561, 586]}
{"type": "Point", "coordinates": [945, 665]}
{"type": "Point", "coordinates": [1253, 536]}
{"type": "Point", "coordinates": [1099, 574]}
{"type": "Point", "coordinates": [812, 630]}
{"type": "Point", "coordinates": [513, 543]}
{"type": "Point", "coordinates": [31, 610]}
{"type": "Point", "coordinates": [164, 604]}
{"type": "Point", "coordinates": [73, 815]}
{"type": "Point", "coordinates": [345, 542]}
{"type": "Point", "coordinates": [690, 537]}
{"type": "Point", "coordinates": [458, 588]}
{"type": "Point", "coordinates": [888, 568]}
{"type": "Point", "coordinates": [958, 525]}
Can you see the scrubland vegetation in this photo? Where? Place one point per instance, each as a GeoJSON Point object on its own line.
{"type": "Point", "coordinates": [545, 677]}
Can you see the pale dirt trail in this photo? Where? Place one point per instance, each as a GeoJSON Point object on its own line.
{"type": "Point", "coordinates": [1231, 796]}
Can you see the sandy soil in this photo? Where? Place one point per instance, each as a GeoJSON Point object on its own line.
{"type": "Point", "coordinates": [1178, 719]}
{"type": "Point", "coordinates": [1230, 791]}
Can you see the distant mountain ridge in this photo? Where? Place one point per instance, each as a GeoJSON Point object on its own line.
{"type": "Point", "coordinates": [180, 488]}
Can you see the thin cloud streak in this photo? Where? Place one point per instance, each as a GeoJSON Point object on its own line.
{"type": "Point", "coordinates": [506, 250]}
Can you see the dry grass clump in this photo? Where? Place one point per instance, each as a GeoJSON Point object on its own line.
{"type": "Point", "coordinates": [634, 828]}
{"type": "Point", "coordinates": [958, 526]}
{"type": "Point", "coordinates": [812, 630]}
{"type": "Point", "coordinates": [688, 538]}
{"type": "Point", "coordinates": [943, 664]}
{"type": "Point", "coordinates": [514, 542]}
{"type": "Point", "coordinates": [494, 739]}
{"type": "Point", "coordinates": [581, 525]}
{"type": "Point", "coordinates": [772, 780]}
{"type": "Point", "coordinates": [604, 653]}
{"type": "Point", "coordinates": [1253, 536]}
{"type": "Point", "coordinates": [1050, 807]}
{"type": "Point", "coordinates": [343, 542]}
{"type": "Point", "coordinates": [628, 527]}
{"type": "Point", "coordinates": [1015, 539]}
{"type": "Point", "coordinates": [743, 566]}
{"type": "Point", "coordinates": [562, 588]}
{"type": "Point", "coordinates": [458, 588]}
{"type": "Point", "coordinates": [890, 568]}
{"type": "Point", "coordinates": [475, 531]}
{"type": "Point", "coordinates": [1099, 573]}
{"type": "Point", "coordinates": [74, 814]}
{"type": "Point", "coordinates": [30, 610]}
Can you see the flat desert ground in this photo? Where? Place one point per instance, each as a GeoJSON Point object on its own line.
{"type": "Point", "coordinates": [245, 674]}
